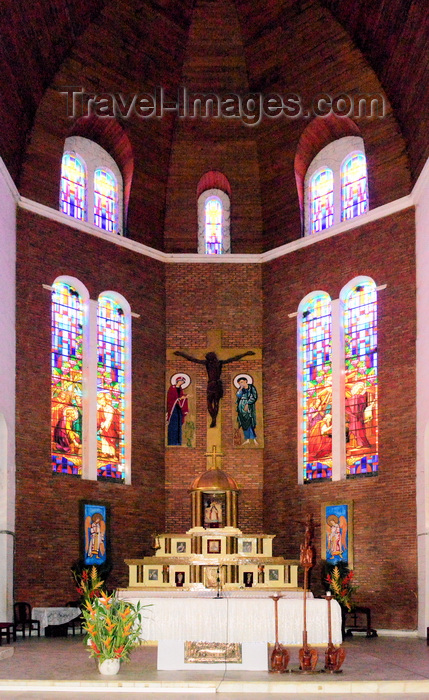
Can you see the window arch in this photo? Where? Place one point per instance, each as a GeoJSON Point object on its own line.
{"type": "Point", "coordinates": [69, 298]}
{"type": "Point", "coordinates": [91, 383]}
{"type": "Point", "coordinates": [113, 385]}
{"type": "Point", "coordinates": [354, 188]}
{"type": "Point", "coordinates": [322, 200]}
{"type": "Point", "coordinates": [329, 202]}
{"type": "Point", "coordinates": [102, 187]}
{"type": "Point", "coordinates": [361, 376]}
{"type": "Point", "coordinates": [338, 383]}
{"type": "Point", "coordinates": [73, 186]}
{"type": "Point", "coordinates": [315, 385]}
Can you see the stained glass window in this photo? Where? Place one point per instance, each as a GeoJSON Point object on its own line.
{"type": "Point", "coordinates": [66, 421]}
{"type": "Point", "coordinates": [322, 200]}
{"type": "Point", "coordinates": [354, 189]}
{"type": "Point", "coordinates": [360, 329]}
{"type": "Point", "coordinates": [316, 368]}
{"type": "Point", "coordinates": [105, 200]}
{"type": "Point", "coordinates": [73, 186]}
{"type": "Point", "coordinates": [213, 226]}
{"type": "Point", "coordinates": [111, 337]}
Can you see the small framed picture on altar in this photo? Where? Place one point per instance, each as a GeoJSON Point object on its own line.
{"type": "Point", "coordinates": [179, 578]}
{"type": "Point", "coordinates": [273, 575]}
{"type": "Point", "coordinates": [180, 547]}
{"type": "Point", "coordinates": [337, 532]}
{"type": "Point", "coordinates": [213, 546]}
{"type": "Point", "coordinates": [153, 574]}
{"type": "Point", "coordinates": [248, 579]}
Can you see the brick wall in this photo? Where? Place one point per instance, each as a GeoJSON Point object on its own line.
{"type": "Point", "coordinates": [384, 506]}
{"type": "Point", "coordinates": [47, 508]}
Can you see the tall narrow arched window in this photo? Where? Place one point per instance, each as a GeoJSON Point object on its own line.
{"type": "Point", "coordinates": [73, 186]}
{"type": "Point", "coordinates": [361, 405]}
{"type": "Point", "coordinates": [66, 354]}
{"type": "Point", "coordinates": [354, 187]}
{"type": "Point", "coordinates": [214, 208]}
{"type": "Point", "coordinates": [111, 387]}
{"type": "Point", "coordinates": [105, 200]}
{"type": "Point", "coordinates": [213, 226]}
{"type": "Point", "coordinates": [322, 200]}
{"type": "Point", "coordinates": [91, 185]}
{"type": "Point", "coordinates": [315, 374]}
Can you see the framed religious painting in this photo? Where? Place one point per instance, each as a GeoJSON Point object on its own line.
{"type": "Point", "coordinates": [180, 415]}
{"type": "Point", "coordinates": [337, 532]}
{"type": "Point", "coordinates": [213, 546]}
{"type": "Point", "coordinates": [247, 410]}
{"type": "Point", "coordinates": [94, 532]}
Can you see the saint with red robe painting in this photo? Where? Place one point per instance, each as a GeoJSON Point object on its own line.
{"type": "Point", "coordinates": [177, 408]}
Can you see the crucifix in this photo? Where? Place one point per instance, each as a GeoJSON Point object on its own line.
{"type": "Point", "coordinates": [214, 360]}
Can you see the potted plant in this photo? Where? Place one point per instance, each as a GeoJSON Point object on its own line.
{"type": "Point", "coordinates": [113, 629]}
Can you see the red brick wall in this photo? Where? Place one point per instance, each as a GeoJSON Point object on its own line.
{"type": "Point", "coordinates": [385, 505]}
{"type": "Point", "coordinates": [47, 523]}
{"type": "Point", "coordinates": [203, 297]}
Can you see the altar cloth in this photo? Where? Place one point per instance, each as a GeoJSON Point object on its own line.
{"type": "Point", "coordinates": [54, 616]}
{"type": "Point", "coordinates": [233, 619]}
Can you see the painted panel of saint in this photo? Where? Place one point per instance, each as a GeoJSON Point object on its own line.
{"type": "Point", "coordinates": [337, 533]}
{"type": "Point", "coordinates": [180, 410]}
{"type": "Point", "coordinates": [94, 534]}
{"type": "Point", "coordinates": [247, 410]}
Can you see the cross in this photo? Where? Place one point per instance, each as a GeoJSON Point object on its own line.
{"type": "Point", "coordinates": [214, 455]}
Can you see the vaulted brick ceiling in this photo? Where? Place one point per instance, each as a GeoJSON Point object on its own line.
{"type": "Point", "coordinates": [284, 43]}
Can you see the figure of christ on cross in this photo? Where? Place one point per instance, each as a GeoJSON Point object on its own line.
{"type": "Point", "coordinates": [214, 383]}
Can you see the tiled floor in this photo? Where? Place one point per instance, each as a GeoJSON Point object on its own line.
{"type": "Point", "coordinates": [57, 667]}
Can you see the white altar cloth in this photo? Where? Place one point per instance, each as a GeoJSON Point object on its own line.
{"type": "Point", "coordinates": [54, 616]}
{"type": "Point", "coordinates": [235, 619]}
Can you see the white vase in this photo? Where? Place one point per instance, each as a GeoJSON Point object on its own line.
{"type": "Point", "coordinates": [109, 667]}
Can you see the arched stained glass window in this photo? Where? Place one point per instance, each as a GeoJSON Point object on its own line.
{"type": "Point", "coordinates": [213, 226]}
{"type": "Point", "coordinates": [322, 200]}
{"type": "Point", "coordinates": [73, 187]}
{"type": "Point", "coordinates": [66, 422]}
{"type": "Point", "coordinates": [360, 330]}
{"type": "Point", "coordinates": [354, 189]}
{"type": "Point", "coordinates": [316, 386]}
{"type": "Point", "coordinates": [105, 200]}
{"type": "Point", "coordinates": [111, 338]}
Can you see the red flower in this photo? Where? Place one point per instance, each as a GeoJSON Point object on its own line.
{"type": "Point", "coordinates": [80, 590]}
{"type": "Point", "coordinates": [84, 575]}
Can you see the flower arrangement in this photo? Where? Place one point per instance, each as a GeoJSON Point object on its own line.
{"type": "Point", "coordinates": [88, 583]}
{"type": "Point", "coordinates": [341, 586]}
{"type": "Point", "coordinates": [113, 626]}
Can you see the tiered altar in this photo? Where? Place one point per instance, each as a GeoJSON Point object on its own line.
{"type": "Point", "coordinates": [209, 589]}
{"type": "Point", "coordinates": [214, 553]}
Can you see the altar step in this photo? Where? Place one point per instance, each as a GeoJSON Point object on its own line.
{"type": "Point", "coordinates": [334, 686]}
